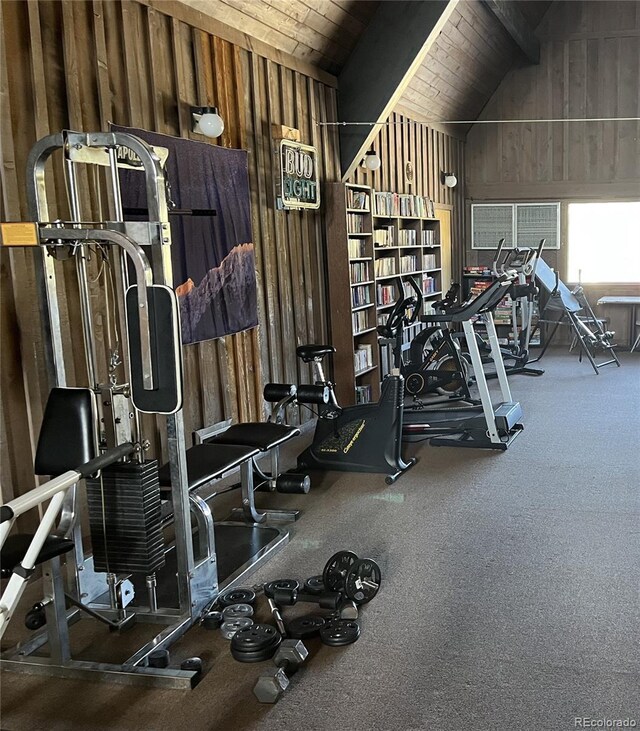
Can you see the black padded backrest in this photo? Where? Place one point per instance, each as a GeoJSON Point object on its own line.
{"type": "Point", "coordinates": [68, 432]}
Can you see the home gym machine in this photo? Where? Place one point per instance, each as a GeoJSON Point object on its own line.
{"type": "Point", "coordinates": [485, 426]}
{"type": "Point", "coordinates": [523, 261]}
{"type": "Point", "coordinates": [571, 307]}
{"type": "Point", "coordinates": [103, 433]}
{"type": "Point", "coordinates": [435, 364]}
{"type": "Point", "coordinates": [361, 438]}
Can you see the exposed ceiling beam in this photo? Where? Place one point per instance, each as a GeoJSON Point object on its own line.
{"type": "Point", "coordinates": [380, 67]}
{"type": "Point", "coordinates": [516, 26]}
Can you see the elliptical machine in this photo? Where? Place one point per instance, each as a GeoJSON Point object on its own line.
{"type": "Point", "coordinates": [435, 363]}
{"type": "Point", "coordinates": [361, 438]}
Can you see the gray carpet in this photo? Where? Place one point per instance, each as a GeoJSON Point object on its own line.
{"type": "Point", "coordinates": [510, 598]}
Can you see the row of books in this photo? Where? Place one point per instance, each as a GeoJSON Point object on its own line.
{"type": "Point", "coordinates": [429, 261]}
{"type": "Point", "coordinates": [384, 236]}
{"type": "Point", "coordinates": [408, 263]}
{"type": "Point", "coordinates": [429, 284]}
{"type": "Point", "coordinates": [480, 270]}
{"type": "Point", "coordinates": [355, 223]}
{"type": "Point", "coordinates": [395, 204]}
{"type": "Point", "coordinates": [357, 199]}
{"type": "Point", "coordinates": [385, 294]}
{"type": "Point", "coordinates": [360, 321]}
{"type": "Point", "coordinates": [357, 248]}
{"type": "Point", "coordinates": [363, 394]}
{"type": "Point", "coordinates": [360, 296]}
{"type": "Point", "coordinates": [360, 272]}
{"type": "Point", "coordinates": [428, 237]}
{"type": "Point", "coordinates": [385, 266]}
{"type": "Point", "coordinates": [363, 357]}
{"type": "Point", "coordinates": [407, 237]}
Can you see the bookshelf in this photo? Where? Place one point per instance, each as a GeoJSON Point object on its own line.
{"type": "Point", "coordinates": [373, 237]}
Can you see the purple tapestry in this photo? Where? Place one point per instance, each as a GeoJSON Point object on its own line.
{"type": "Point", "coordinates": [212, 255]}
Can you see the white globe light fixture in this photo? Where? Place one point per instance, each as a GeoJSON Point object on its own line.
{"type": "Point", "coordinates": [371, 161]}
{"type": "Point", "coordinates": [207, 121]}
{"type": "Point", "coordinates": [450, 180]}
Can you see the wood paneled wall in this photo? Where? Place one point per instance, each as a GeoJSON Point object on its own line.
{"type": "Point", "coordinates": [589, 67]}
{"type": "Point", "coordinates": [432, 152]}
{"type": "Point", "coordinates": [82, 64]}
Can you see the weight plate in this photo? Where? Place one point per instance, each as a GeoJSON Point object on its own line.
{"type": "Point", "coordinates": [314, 585]}
{"type": "Point", "coordinates": [235, 611]}
{"type": "Point", "coordinates": [256, 643]}
{"type": "Point", "coordinates": [237, 596]}
{"type": "Point", "coordinates": [336, 569]}
{"type": "Point", "coordinates": [212, 620]}
{"type": "Point", "coordinates": [362, 581]}
{"type": "Point", "coordinates": [229, 628]}
{"type": "Point", "coordinates": [288, 584]}
{"type": "Point", "coordinates": [340, 632]}
{"type": "Point", "coordinates": [303, 628]}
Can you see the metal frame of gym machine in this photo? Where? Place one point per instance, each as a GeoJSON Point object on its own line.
{"type": "Point", "coordinates": [197, 580]}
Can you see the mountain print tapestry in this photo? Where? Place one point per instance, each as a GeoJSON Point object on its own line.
{"type": "Point", "coordinates": [213, 257]}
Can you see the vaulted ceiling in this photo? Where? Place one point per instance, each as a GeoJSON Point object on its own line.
{"type": "Point", "coordinates": [456, 79]}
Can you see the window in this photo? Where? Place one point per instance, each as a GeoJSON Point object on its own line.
{"type": "Point", "coordinates": [604, 242]}
{"type": "Point", "coordinates": [522, 223]}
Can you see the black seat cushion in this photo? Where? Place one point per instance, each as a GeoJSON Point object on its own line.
{"type": "Point", "coordinates": [206, 462]}
{"type": "Point", "coordinates": [68, 431]}
{"type": "Point", "coordinates": [16, 546]}
{"type": "Point", "coordinates": [264, 435]}
{"type": "Point", "coordinates": [309, 352]}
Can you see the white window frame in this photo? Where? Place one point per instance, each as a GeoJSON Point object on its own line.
{"type": "Point", "coordinates": [514, 220]}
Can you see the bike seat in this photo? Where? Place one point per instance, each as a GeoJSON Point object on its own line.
{"type": "Point", "coordinates": [314, 352]}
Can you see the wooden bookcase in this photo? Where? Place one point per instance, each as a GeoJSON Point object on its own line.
{"type": "Point", "coordinates": [367, 251]}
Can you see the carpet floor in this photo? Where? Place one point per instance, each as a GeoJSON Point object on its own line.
{"type": "Point", "coordinates": [510, 596]}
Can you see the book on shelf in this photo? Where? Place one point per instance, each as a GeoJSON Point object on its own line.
{"type": "Point", "coordinates": [363, 394]}
{"type": "Point", "coordinates": [429, 261]}
{"type": "Point", "coordinates": [360, 296]}
{"type": "Point", "coordinates": [384, 236]}
{"type": "Point", "coordinates": [478, 271]}
{"type": "Point", "coordinates": [357, 248]}
{"type": "Point", "coordinates": [360, 321]}
{"type": "Point", "coordinates": [363, 358]}
{"type": "Point", "coordinates": [355, 223]}
{"type": "Point", "coordinates": [360, 272]}
{"type": "Point", "coordinates": [357, 199]}
{"type": "Point", "coordinates": [385, 266]}
{"type": "Point", "coordinates": [385, 294]}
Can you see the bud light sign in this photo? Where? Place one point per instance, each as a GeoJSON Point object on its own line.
{"type": "Point", "coordinates": [298, 176]}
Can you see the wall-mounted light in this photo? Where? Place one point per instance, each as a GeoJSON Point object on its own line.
{"type": "Point", "coordinates": [371, 161]}
{"type": "Point", "coordinates": [449, 179]}
{"type": "Point", "coordinates": [207, 121]}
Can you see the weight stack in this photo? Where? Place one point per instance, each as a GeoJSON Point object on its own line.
{"type": "Point", "coordinates": [124, 518]}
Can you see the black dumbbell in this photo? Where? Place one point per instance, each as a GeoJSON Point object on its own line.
{"type": "Point", "coordinates": [271, 684]}
{"type": "Point", "coordinates": [35, 617]}
{"type": "Point", "coordinates": [289, 597]}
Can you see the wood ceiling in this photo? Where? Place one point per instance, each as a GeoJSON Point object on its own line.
{"type": "Point", "coordinates": [456, 79]}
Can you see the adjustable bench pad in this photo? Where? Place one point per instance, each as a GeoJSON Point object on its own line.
{"type": "Point", "coordinates": [262, 435]}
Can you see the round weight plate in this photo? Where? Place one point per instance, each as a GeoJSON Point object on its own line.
{"type": "Point", "coordinates": [336, 569]}
{"type": "Point", "coordinates": [362, 581]}
{"type": "Point", "coordinates": [212, 620]}
{"type": "Point", "coordinates": [237, 596]}
{"type": "Point", "coordinates": [303, 628]}
{"type": "Point", "coordinates": [194, 664]}
{"type": "Point", "coordinates": [229, 628]}
{"type": "Point", "coordinates": [288, 584]}
{"type": "Point", "coordinates": [235, 611]}
{"type": "Point", "coordinates": [314, 585]}
{"type": "Point", "coordinates": [340, 632]}
{"type": "Point", "coordinates": [256, 643]}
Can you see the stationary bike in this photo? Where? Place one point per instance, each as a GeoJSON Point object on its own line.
{"type": "Point", "coordinates": [361, 438]}
{"type": "Point", "coordinates": [435, 363]}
